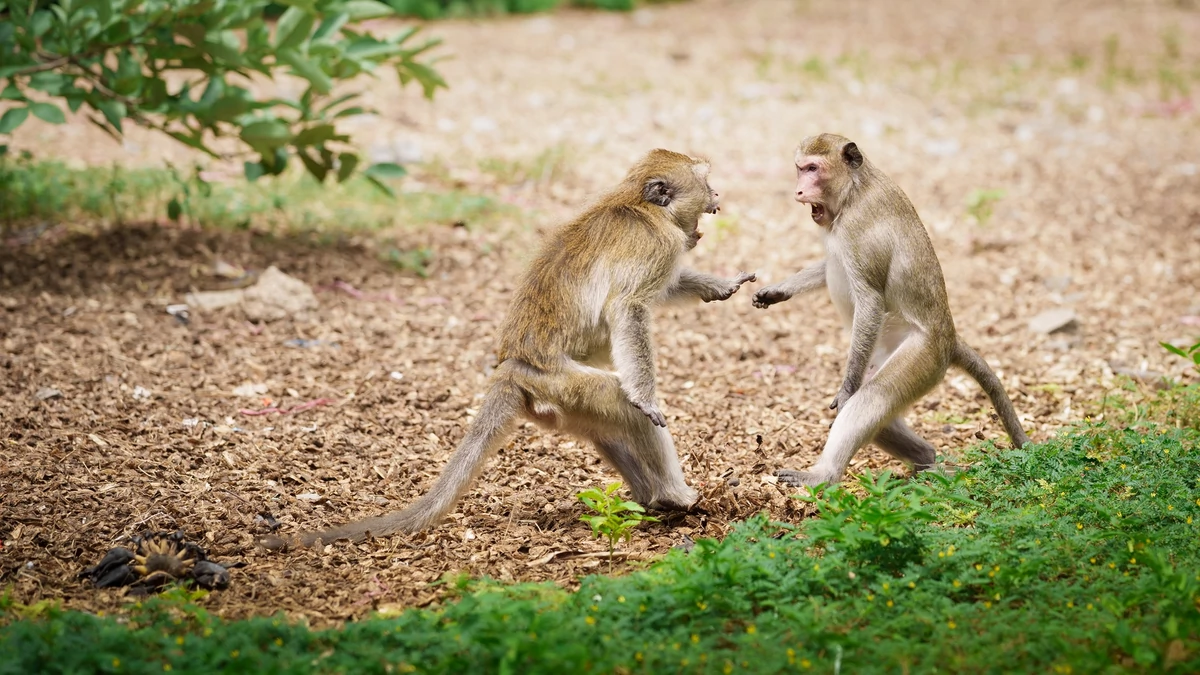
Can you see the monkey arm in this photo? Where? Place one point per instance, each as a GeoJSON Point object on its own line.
{"type": "Point", "coordinates": [707, 287]}
{"type": "Point", "coordinates": [865, 327]}
{"type": "Point", "coordinates": [633, 356]}
{"type": "Point", "coordinates": [809, 279]}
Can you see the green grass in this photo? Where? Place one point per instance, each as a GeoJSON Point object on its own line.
{"type": "Point", "coordinates": [1078, 555]}
{"type": "Point", "coordinates": [36, 191]}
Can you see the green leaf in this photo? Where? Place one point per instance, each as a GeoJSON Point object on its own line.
{"type": "Point", "coordinates": [293, 27]}
{"type": "Point", "coordinates": [49, 82]}
{"type": "Point", "coordinates": [1173, 349]}
{"type": "Point", "coordinates": [426, 76]}
{"type": "Point", "coordinates": [330, 26]}
{"type": "Point", "coordinates": [12, 93]}
{"type": "Point", "coordinates": [315, 135]}
{"type": "Point", "coordinates": [359, 10]}
{"type": "Point", "coordinates": [347, 161]}
{"type": "Point", "coordinates": [317, 169]}
{"type": "Point", "coordinates": [390, 170]}
{"type": "Point", "coordinates": [47, 112]}
{"type": "Point", "coordinates": [253, 170]}
{"type": "Point", "coordinates": [174, 209]}
{"type": "Point", "coordinates": [3, 150]}
{"type": "Point", "coordinates": [13, 119]}
{"type": "Point", "coordinates": [269, 134]}
{"type": "Point", "coordinates": [306, 69]}
{"type": "Point", "coordinates": [114, 112]}
{"type": "Point", "coordinates": [307, 5]}
{"type": "Point", "coordinates": [386, 190]}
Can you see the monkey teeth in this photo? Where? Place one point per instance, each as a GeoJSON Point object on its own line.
{"type": "Point", "coordinates": [818, 211]}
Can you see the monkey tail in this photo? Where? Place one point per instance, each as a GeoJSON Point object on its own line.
{"type": "Point", "coordinates": [969, 360]}
{"type": "Point", "coordinates": [493, 426]}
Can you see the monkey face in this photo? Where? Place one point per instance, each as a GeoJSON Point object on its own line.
{"type": "Point", "coordinates": [811, 176]}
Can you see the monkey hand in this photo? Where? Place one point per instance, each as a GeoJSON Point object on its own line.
{"type": "Point", "coordinates": [652, 411]}
{"type": "Point", "coordinates": [765, 297]}
{"type": "Point", "coordinates": [730, 287]}
{"type": "Point", "coordinates": [843, 395]}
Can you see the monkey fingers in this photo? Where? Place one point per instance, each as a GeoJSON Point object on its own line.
{"type": "Point", "coordinates": [771, 295]}
{"type": "Point", "coordinates": [798, 478]}
{"type": "Point", "coordinates": [652, 411]}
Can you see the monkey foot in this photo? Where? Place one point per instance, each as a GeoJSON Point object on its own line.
{"type": "Point", "coordinates": [799, 478]}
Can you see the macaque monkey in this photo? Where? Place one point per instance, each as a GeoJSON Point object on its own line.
{"type": "Point", "coordinates": [886, 282]}
{"type": "Point", "coordinates": [583, 310]}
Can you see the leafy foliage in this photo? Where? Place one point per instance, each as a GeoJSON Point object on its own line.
{"type": "Point", "coordinates": [1191, 353]}
{"type": "Point", "coordinates": [186, 68]}
{"type": "Point", "coordinates": [612, 517]}
{"type": "Point", "coordinates": [1076, 555]}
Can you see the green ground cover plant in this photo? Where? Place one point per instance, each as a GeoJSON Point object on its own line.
{"type": "Point", "coordinates": [1077, 555]}
{"type": "Point", "coordinates": [39, 192]}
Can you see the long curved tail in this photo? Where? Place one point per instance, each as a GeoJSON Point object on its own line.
{"type": "Point", "coordinates": [491, 428]}
{"type": "Point", "coordinates": [966, 358]}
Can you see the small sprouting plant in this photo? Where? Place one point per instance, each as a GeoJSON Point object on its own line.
{"type": "Point", "coordinates": [980, 204]}
{"type": "Point", "coordinates": [1191, 353]}
{"type": "Point", "coordinates": [612, 516]}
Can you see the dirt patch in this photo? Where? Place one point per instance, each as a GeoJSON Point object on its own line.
{"type": "Point", "coordinates": [1101, 213]}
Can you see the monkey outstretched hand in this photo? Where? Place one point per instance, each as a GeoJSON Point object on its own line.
{"type": "Point", "coordinates": [808, 279]}
{"type": "Point", "coordinates": [652, 411]}
{"type": "Point", "coordinates": [717, 292]}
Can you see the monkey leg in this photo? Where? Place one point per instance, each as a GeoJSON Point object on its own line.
{"type": "Point", "coordinates": [899, 441]}
{"type": "Point", "coordinates": [909, 373]}
{"type": "Point", "coordinates": [641, 452]}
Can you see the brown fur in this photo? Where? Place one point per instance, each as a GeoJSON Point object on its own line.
{"type": "Point", "coordinates": [885, 279]}
{"type": "Point", "coordinates": [582, 309]}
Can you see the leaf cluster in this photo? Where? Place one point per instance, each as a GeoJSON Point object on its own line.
{"type": "Point", "coordinates": [187, 68]}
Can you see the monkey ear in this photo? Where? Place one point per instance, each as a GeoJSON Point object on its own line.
{"type": "Point", "coordinates": [851, 154]}
{"type": "Point", "coordinates": [658, 192]}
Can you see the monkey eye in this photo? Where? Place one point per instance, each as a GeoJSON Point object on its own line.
{"type": "Point", "coordinates": [811, 167]}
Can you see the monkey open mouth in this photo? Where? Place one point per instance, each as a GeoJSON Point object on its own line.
{"type": "Point", "coordinates": [818, 212]}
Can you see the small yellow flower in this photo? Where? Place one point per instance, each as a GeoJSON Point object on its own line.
{"type": "Point", "coordinates": [1133, 561]}
{"type": "Point", "coordinates": [167, 666]}
{"type": "Point", "coordinates": [641, 608]}
{"type": "Point", "coordinates": [1070, 604]}
{"type": "Point", "coordinates": [957, 583]}
{"type": "Point", "coordinates": [1112, 566]}
{"type": "Point", "coordinates": [676, 646]}
{"type": "Point", "coordinates": [702, 605]}
{"type": "Point", "coordinates": [1092, 560]}
{"type": "Point", "coordinates": [991, 574]}
{"type": "Point", "coordinates": [595, 608]}
{"type": "Point", "coordinates": [620, 598]}
{"type": "Point", "coordinates": [1170, 508]}
{"type": "Point", "coordinates": [805, 663]}
{"type": "Point", "coordinates": [207, 632]}
{"type": "Point", "coordinates": [889, 603]}
{"type": "Point", "coordinates": [870, 598]}
{"type": "Point", "coordinates": [728, 668]}
{"type": "Point", "coordinates": [941, 554]}
{"type": "Point", "coordinates": [638, 657]}
{"type": "Point", "coordinates": [116, 663]}
{"type": "Point", "coordinates": [987, 604]}
{"type": "Point", "coordinates": [1189, 520]}
{"type": "Point", "coordinates": [791, 654]}
{"type": "Point", "coordinates": [1122, 466]}
{"type": "Point", "coordinates": [278, 642]}
{"type": "Point", "coordinates": [234, 654]}
{"type": "Point", "coordinates": [996, 597]}
{"type": "Point", "coordinates": [1079, 526]}
{"type": "Point", "coordinates": [695, 639]}
{"type": "Point", "coordinates": [1089, 606]}
{"type": "Point", "coordinates": [179, 640]}
{"type": "Point", "coordinates": [978, 567]}
{"type": "Point", "coordinates": [951, 625]}
{"type": "Point", "coordinates": [816, 568]}
{"type": "Point", "coordinates": [751, 629]}
{"type": "Point", "coordinates": [886, 586]}
{"type": "Point", "coordinates": [912, 584]}
{"type": "Point", "coordinates": [683, 662]}
{"type": "Point", "coordinates": [591, 620]}
{"type": "Point", "coordinates": [771, 554]}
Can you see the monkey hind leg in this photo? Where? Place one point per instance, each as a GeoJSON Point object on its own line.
{"type": "Point", "coordinates": [901, 442]}
{"type": "Point", "coordinates": [911, 371]}
{"type": "Point", "coordinates": [641, 452]}
{"type": "Point", "coordinates": [491, 428]}
{"type": "Point", "coordinates": [969, 360]}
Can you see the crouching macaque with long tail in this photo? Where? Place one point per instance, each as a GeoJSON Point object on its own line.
{"type": "Point", "coordinates": [583, 310]}
{"type": "Point", "coordinates": [886, 282]}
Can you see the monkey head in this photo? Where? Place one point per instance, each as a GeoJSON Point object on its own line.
{"type": "Point", "coordinates": [679, 184]}
{"type": "Point", "coordinates": [826, 170]}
